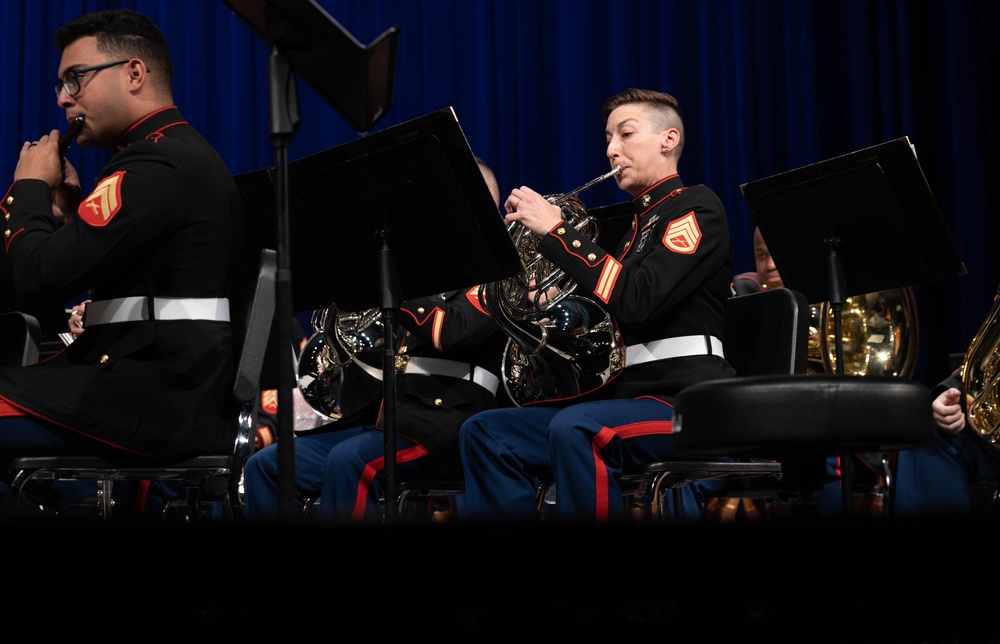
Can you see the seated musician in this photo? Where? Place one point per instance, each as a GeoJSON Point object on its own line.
{"type": "Point", "coordinates": [447, 363]}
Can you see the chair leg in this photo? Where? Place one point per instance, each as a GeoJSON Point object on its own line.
{"type": "Point", "coordinates": [659, 506]}
{"type": "Point", "coordinates": [545, 495]}
{"type": "Point", "coordinates": [105, 499]}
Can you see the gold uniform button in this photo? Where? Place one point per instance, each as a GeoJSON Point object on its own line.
{"type": "Point", "coordinates": [560, 230]}
{"type": "Point", "coordinates": [627, 244]}
{"type": "Point", "coordinates": [646, 199]}
{"type": "Point", "coordinates": [6, 234]}
{"type": "Point", "coordinates": [633, 225]}
{"type": "Point", "coordinates": [438, 402]}
{"type": "Point", "coordinates": [591, 257]}
{"type": "Point", "coordinates": [10, 200]}
{"type": "Point", "coordinates": [104, 359]}
{"type": "Point", "coordinates": [576, 243]}
{"type": "Point", "coordinates": [420, 310]}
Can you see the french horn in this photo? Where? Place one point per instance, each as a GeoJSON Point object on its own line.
{"type": "Point", "coordinates": [981, 376]}
{"type": "Point", "coordinates": [560, 345]}
{"type": "Point", "coordinates": [339, 337]}
{"type": "Point", "coordinates": [879, 332]}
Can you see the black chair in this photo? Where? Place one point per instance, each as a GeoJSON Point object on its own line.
{"type": "Point", "coordinates": [427, 500]}
{"type": "Point", "coordinates": [802, 420]}
{"type": "Point", "coordinates": [253, 314]}
{"type": "Point", "coordinates": [765, 333]}
{"type": "Point", "coordinates": [22, 338]}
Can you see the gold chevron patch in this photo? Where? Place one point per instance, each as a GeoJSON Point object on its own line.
{"type": "Point", "coordinates": [437, 328]}
{"type": "Point", "coordinates": [606, 282]}
{"type": "Point", "coordinates": [472, 295]}
{"type": "Point", "coordinates": [683, 235]}
{"type": "Point", "coordinates": [100, 207]}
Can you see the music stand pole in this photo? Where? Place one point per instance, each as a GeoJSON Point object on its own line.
{"type": "Point", "coordinates": [389, 300]}
{"type": "Point", "coordinates": [284, 122]}
{"type": "Point", "coordinates": [838, 295]}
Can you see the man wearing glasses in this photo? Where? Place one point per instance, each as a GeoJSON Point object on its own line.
{"type": "Point", "coordinates": [153, 245]}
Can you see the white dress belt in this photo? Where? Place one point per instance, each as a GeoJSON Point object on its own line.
{"type": "Point", "coordinates": [136, 309]}
{"type": "Point", "coordinates": [679, 347]}
{"type": "Point", "coordinates": [419, 365]}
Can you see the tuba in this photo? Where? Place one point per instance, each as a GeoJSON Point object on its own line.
{"type": "Point", "coordinates": [559, 345]}
{"type": "Point", "coordinates": [332, 347]}
{"type": "Point", "coordinates": [980, 376]}
{"type": "Point", "coordinates": [879, 333]}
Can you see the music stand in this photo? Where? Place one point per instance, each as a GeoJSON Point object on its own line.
{"type": "Point", "coordinates": [397, 214]}
{"type": "Point", "coordinates": [355, 80]}
{"type": "Point", "coordinates": [858, 223]}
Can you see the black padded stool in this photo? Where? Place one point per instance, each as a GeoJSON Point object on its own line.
{"type": "Point", "coordinates": [801, 420]}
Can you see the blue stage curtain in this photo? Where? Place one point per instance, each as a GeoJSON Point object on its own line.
{"type": "Point", "coordinates": [765, 86]}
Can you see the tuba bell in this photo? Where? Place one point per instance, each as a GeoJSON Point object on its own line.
{"type": "Point", "coordinates": [879, 332]}
{"type": "Point", "coordinates": [981, 376]}
{"type": "Point", "coordinates": [339, 337]}
{"type": "Point", "coordinates": [560, 345]}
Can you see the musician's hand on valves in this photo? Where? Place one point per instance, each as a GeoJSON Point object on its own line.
{"type": "Point", "coordinates": [76, 319]}
{"type": "Point", "coordinates": [540, 298]}
{"type": "Point", "coordinates": [947, 411]}
{"type": "Point", "coordinates": [40, 160]}
{"type": "Point", "coordinates": [532, 210]}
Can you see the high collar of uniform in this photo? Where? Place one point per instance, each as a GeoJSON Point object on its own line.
{"type": "Point", "coordinates": [152, 122]}
{"type": "Point", "coordinates": [657, 193]}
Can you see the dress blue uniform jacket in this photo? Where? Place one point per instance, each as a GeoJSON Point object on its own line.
{"type": "Point", "coordinates": [164, 220]}
{"type": "Point", "coordinates": [669, 277]}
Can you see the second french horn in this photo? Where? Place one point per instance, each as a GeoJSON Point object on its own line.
{"type": "Point", "coordinates": [879, 332]}
{"type": "Point", "coordinates": [339, 338]}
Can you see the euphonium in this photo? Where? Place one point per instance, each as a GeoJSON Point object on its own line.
{"type": "Point", "coordinates": [981, 376]}
{"type": "Point", "coordinates": [879, 332]}
{"type": "Point", "coordinates": [560, 345]}
{"type": "Point", "coordinates": [323, 360]}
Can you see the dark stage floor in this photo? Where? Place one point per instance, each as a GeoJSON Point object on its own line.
{"type": "Point", "coordinates": [927, 581]}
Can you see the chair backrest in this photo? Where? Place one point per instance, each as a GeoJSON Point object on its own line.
{"type": "Point", "coordinates": [767, 333]}
{"type": "Point", "coordinates": [20, 339]}
{"type": "Point", "coordinates": [255, 309]}
{"type": "Point", "coordinates": [254, 305]}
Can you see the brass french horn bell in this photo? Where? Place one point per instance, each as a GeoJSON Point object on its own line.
{"type": "Point", "coordinates": [879, 332]}
{"type": "Point", "coordinates": [981, 377]}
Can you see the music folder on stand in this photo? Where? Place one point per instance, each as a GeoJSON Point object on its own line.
{"type": "Point", "coordinates": [862, 222]}
{"type": "Point", "coordinates": [394, 215]}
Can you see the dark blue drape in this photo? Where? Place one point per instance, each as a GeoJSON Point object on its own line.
{"type": "Point", "coordinates": [765, 85]}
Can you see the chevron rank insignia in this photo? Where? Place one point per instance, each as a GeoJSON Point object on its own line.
{"type": "Point", "coordinates": [100, 207]}
{"type": "Point", "coordinates": [683, 235]}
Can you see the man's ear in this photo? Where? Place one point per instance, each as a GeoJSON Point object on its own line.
{"type": "Point", "coordinates": [669, 139]}
{"type": "Point", "coordinates": [137, 71]}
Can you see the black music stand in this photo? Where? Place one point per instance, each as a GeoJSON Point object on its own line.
{"type": "Point", "coordinates": [395, 215]}
{"type": "Point", "coordinates": [355, 80]}
{"type": "Point", "coordinates": [859, 223]}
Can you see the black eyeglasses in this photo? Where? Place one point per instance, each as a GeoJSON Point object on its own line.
{"type": "Point", "coordinates": [71, 79]}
